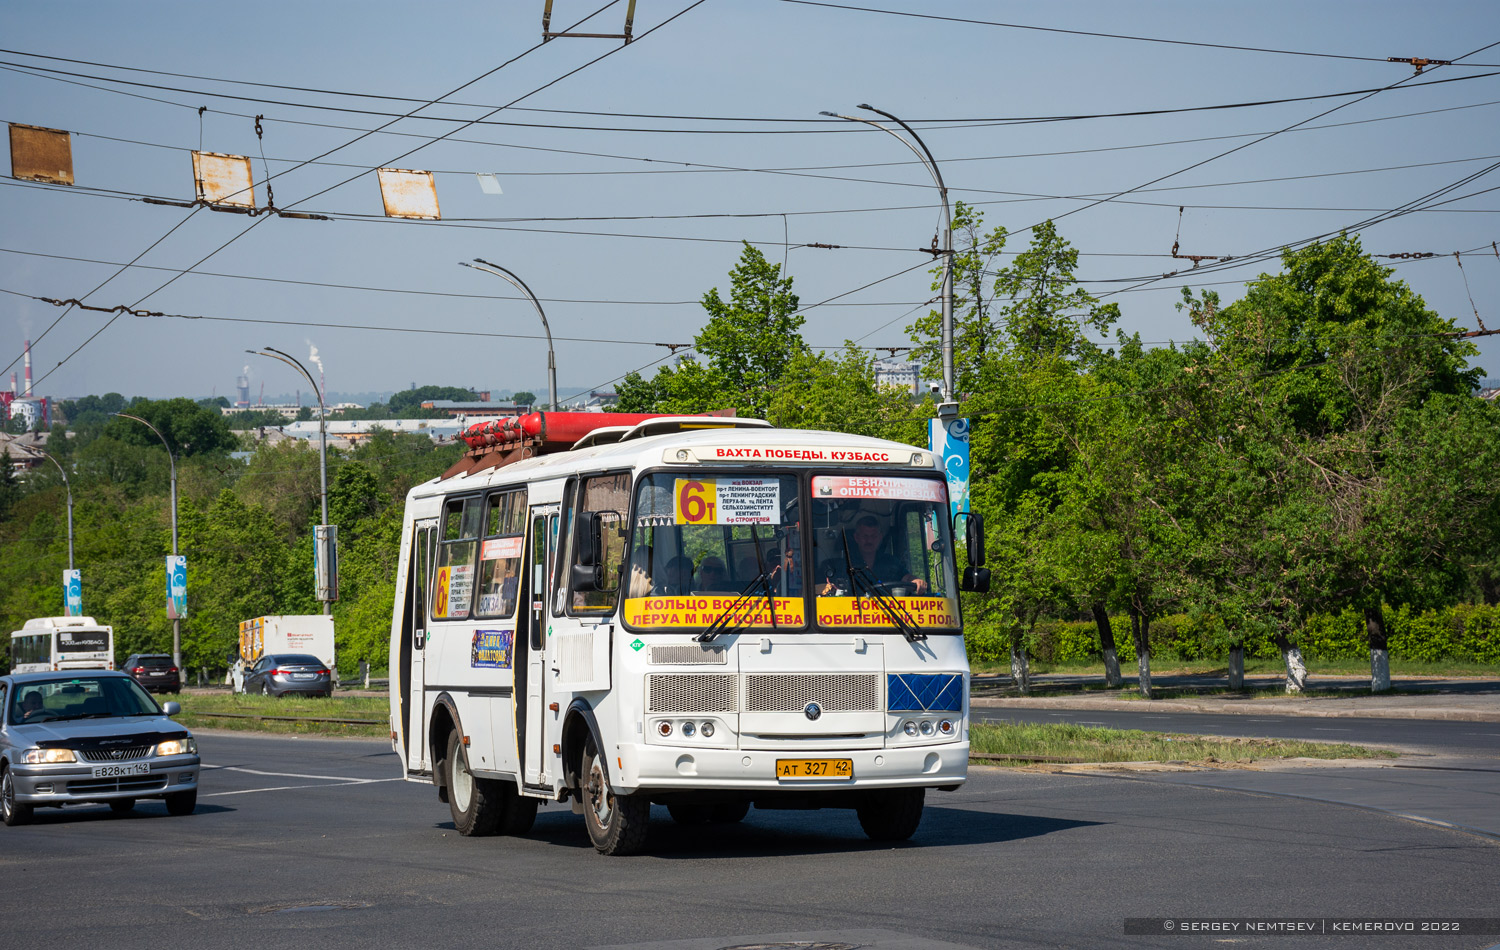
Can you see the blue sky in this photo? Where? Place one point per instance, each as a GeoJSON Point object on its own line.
{"type": "Point", "coordinates": [629, 182]}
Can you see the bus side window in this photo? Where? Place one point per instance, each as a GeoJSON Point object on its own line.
{"type": "Point", "coordinates": [453, 582]}
{"type": "Point", "coordinates": [607, 497]}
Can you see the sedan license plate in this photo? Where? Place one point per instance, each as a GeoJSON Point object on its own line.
{"type": "Point", "coordinates": [815, 768]}
{"type": "Point", "coordinates": [304, 676]}
{"type": "Point", "coordinates": [116, 771]}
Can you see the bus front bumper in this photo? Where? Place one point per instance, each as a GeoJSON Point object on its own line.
{"type": "Point", "coordinates": [656, 767]}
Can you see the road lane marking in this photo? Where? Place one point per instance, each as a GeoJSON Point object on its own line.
{"type": "Point", "coordinates": [328, 781]}
{"type": "Point", "coordinates": [285, 788]}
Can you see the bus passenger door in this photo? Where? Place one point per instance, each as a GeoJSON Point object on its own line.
{"type": "Point", "coordinates": [539, 565]}
{"type": "Point", "coordinates": [414, 649]}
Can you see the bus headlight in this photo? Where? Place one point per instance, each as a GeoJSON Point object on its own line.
{"type": "Point", "coordinates": [48, 756]}
{"type": "Point", "coordinates": [706, 730]}
{"type": "Point", "coordinates": [910, 728]}
{"type": "Point", "coordinates": [688, 729]}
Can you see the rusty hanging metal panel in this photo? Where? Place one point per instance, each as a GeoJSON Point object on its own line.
{"type": "Point", "coordinates": [223, 179]}
{"type": "Point", "coordinates": [408, 194]}
{"type": "Point", "coordinates": [38, 154]}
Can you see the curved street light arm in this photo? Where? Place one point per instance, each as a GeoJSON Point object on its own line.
{"type": "Point", "coordinates": [514, 279]}
{"type": "Point", "coordinates": [948, 407]}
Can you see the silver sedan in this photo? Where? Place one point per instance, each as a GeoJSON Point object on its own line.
{"type": "Point", "coordinates": [90, 736]}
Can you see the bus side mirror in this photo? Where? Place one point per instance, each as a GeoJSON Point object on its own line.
{"type": "Point", "coordinates": [974, 538]}
{"type": "Point", "coordinates": [976, 580]}
{"type": "Point", "coordinates": [588, 544]}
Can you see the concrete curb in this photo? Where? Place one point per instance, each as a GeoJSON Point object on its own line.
{"type": "Point", "coordinates": [1484, 709]}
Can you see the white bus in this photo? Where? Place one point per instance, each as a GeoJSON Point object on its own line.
{"type": "Point", "coordinates": [705, 613]}
{"type": "Point", "coordinates": [46, 644]}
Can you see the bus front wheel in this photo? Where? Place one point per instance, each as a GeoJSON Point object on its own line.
{"type": "Point", "coordinates": [616, 823]}
{"type": "Point", "coordinates": [477, 804]}
{"type": "Point", "coordinates": [891, 814]}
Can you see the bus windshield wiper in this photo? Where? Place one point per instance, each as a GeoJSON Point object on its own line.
{"type": "Point", "coordinates": [864, 581]}
{"type": "Point", "coordinates": [761, 580]}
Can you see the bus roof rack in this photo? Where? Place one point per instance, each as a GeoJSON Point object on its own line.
{"type": "Point", "coordinates": [513, 438]}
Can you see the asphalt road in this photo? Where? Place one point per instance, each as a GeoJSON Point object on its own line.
{"type": "Point", "coordinates": [309, 842]}
{"type": "Point", "coordinates": [1474, 739]}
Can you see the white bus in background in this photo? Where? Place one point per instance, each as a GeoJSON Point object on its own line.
{"type": "Point", "coordinates": [705, 613]}
{"type": "Point", "coordinates": [47, 644]}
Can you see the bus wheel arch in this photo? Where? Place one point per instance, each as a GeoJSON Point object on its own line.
{"type": "Point", "coordinates": [579, 726]}
{"type": "Point", "coordinates": [443, 723]}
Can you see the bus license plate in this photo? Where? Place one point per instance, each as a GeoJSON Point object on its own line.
{"type": "Point", "coordinates": [116, 771]}
{"type": "Point", "coordinates": [815, 768]}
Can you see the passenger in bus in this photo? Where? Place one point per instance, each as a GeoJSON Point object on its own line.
{"type": "Point", "coordinates": [866, 550]}
{"type": "Point", "coordinates": [678, 579]}
{"type": "Point", "coordinates": [712, 575]}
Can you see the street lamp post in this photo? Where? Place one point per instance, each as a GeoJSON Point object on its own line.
{"type": "Point", "coordinates": [64, 473]}
{"type": "Point", "coordinates": [172, 460]}
{"type": "Point", "coordinates": [519, 284]}
{"type": "Point", "coordinates": [275, 354]}
{"type": "Point", "coordinates": [948, 407]}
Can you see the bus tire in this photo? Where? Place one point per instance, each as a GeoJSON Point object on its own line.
{"type": "Point", "coordinates": [520, 812]}
{"type": "Point", "coordinates": [476, 803]}
{"type": "Point", "coordinates": [12, 812]}
{"type": "Point", "coordinates": [617, 824]}
{"type": "Point", "coordinates": [891, 814]}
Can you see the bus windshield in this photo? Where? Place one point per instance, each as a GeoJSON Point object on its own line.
{"type": "Point", "coordinates": [727, 551]}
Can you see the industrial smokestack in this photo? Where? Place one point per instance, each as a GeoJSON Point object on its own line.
{"type": "Point", "coordinates": [13, 391]}
{"type": "Point", "coordinates": [28, 369]}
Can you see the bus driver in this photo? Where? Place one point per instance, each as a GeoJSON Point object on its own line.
{"type": "Point", "coordinates": [865, 552]}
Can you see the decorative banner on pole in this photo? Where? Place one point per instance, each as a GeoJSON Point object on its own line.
{"type": "Point", "coordinates": [950, 440]}
{"type": "Point", "coordinates": [223, 179]}
{"type": "Point", "coordinates": [73, 593]}
{"type": "Point", "coordinates": [408, 194]}
{"type": "Point", "coordinates": [176, 587]}
{"type": "Point", "coordinates": [38, 154]}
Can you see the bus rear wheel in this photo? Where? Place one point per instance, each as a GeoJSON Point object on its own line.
{"type": "Point", "coordinates": [891, 814]}
{"type": "Point", "coordinates": [617, 824]}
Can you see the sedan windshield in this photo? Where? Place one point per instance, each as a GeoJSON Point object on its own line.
{"type": "Point", "coordinates": [79, 697]}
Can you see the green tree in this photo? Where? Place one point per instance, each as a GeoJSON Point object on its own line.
{"type": "Point", "coordinates": [839, 393]}
{"type": "Point", "coordinates": [524, 398]}
{"type": "Point", "coordinates": [748, 344]}
{"type": "Point", "coordinates": [407, 404]}
{"type": "Point", "coordinates": [189, 429]}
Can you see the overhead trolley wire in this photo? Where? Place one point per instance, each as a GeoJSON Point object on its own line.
{"type": "Point", "coordinates": [1112, 36]}
{"type": "Point", "coordinates": [825, 126]}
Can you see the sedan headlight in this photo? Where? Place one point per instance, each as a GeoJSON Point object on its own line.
{"type": "Point", "coordinates": [48, 756]}
{"type": "Point", "coordinates": [188, 746]}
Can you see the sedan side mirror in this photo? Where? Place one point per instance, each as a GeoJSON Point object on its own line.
{"type": "Point", "coordinates": [171, 709]}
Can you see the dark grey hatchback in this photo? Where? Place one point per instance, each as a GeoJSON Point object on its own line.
{"type": "Point", "coordinates": [289, 673]}
{"type": "Point", "coordinates": [90, 736]}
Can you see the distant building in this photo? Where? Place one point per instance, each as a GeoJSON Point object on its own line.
{"type": "Point", "coordinates": [592, 402]}
{"type": "Point", "coordinates": [344, 433]}
{"type": "Point", "coordinates": [474, 411]}
{"type": "Point", "coordinates": [898, 374]}
{"type": "Point", "coordinates": [1491, 394]}
{"type": "Point", "coordinates": [25, 450]}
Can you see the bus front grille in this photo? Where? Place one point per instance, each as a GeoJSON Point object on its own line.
{"type": "Point", "coordinates": [690, 692]}
{"type": "Point", "coordinates": [791, 692]}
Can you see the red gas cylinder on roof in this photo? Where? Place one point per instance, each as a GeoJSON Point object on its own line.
{"type": "Point", "coordinates": [553, 431]}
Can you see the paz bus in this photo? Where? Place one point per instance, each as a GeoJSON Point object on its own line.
{"type": "Point", "coordinates": [46, 644]}
{"type": "Point", "coordinates": [706, 613]}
